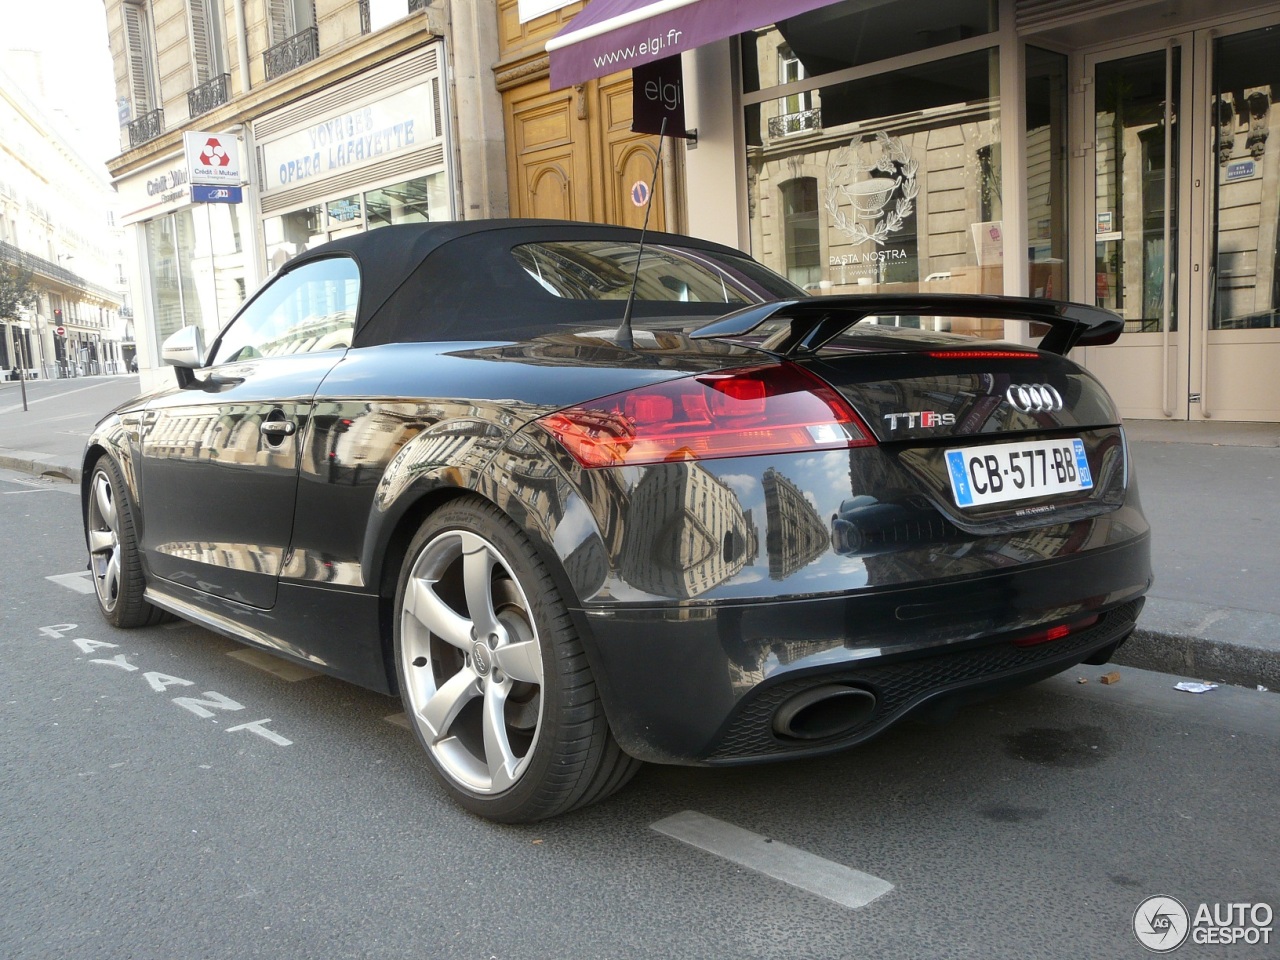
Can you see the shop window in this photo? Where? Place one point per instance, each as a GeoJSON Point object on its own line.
{"type": "Point", "coordinates": [801, 232]}
{"type": "Point", "coordinates": [1130, 170]}
{"type": "Point", "coordinates": [854, 33]}
{"type": "Point", "coordinates": [905, 192]}
{"type": "Point", "coordinates": [170, 245]}
{"type": "Point", "coordinates": [1246, 220]}
{"type": "Point", "coordinates": [196, 267]}
{"type": "Point", "coordinates": [1046, 153]}
{"type": "Point", "coordinates": [415, 201]}
{"type": "Point", "coordinates": [289, 234]}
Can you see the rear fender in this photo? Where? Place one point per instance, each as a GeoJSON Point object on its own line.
{"type": "Point", "coordinates": [447, 459]}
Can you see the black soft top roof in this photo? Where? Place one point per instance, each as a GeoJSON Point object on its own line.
{"type": "Point", "coordinates": [437, 280]}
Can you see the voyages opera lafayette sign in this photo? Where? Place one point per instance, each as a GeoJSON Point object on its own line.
{"type": "Point", "coordinates": [395, 124]}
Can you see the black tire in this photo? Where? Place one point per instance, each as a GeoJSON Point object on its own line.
{"type": "Point", "coordinates": [114, 558]}
{"type": "Point", "coordinates": [492, 673]}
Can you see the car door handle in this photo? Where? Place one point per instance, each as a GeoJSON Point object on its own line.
{"type": "Point", "coordinates": [278, 428]}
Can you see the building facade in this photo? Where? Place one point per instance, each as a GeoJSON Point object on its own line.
{"type": "Point", "coordinates": [1111, 153]}
{"type": "Point", "coordinates": [343, 115]}
{"type": "Point", "coordinates": [57, 222]}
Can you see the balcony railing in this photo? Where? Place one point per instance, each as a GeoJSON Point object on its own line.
{"type": "Point", "coordinates": [146, 127]}
{"type": "Point", "coordinates": [416, 5]}
{"type": "Point", "coordinates": [366, 25]}
{"type": "Point", "coordinates": [805, 121]}
{"type": "Point", "coordinates": [291, 53]}
{"type": "Point", "coordinates": [214, 92]}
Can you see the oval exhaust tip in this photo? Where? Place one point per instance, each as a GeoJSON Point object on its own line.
{"type": "Point", "coordinates": [823, 712]}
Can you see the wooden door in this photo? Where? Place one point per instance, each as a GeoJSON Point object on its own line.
{"type": "Point", "coordinates": [571, 154]}
{"type": "Point", "coordinates": [626, 158]}
{"type": "Point", "coordinates": [548, 168]}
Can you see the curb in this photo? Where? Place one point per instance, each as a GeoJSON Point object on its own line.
{"type": "Point", "coordinates": [1204, 642]}
{"type": "Point", "coordinates": [38, 465]}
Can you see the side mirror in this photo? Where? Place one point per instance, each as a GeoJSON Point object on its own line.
{"type": "Point", "coordinates": [185, 351]}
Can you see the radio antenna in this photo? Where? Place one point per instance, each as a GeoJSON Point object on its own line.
{"type": "Point", "coordinates": [623, 336]}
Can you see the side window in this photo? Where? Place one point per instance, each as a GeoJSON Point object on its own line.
{"type": "Point", "coordinates": [305, 310]}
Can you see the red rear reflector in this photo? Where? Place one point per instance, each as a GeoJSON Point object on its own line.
{"type": "Point", "coordinates": [982, 354]}
{"type": "Point", "coordinates": [743, 413]}
{"type": "Point", "coordinates": [1054, 633]}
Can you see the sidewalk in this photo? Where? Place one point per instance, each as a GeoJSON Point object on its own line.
{"type": "Point", "coordinates": [1209, 490]}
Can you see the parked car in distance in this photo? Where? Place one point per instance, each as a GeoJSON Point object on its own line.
{"type": "Point", "coordinates": [745, 525]}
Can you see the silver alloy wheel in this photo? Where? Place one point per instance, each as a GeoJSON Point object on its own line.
{"type": "Point", "coordinates": [104, 540]}
{"type": "Point", "coordinates": [471, 662]}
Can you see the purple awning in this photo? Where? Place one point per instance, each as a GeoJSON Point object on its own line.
{"type": "Point", "coordinates": [612, 35]}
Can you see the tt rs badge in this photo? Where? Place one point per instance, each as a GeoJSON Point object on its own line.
{"type": "Point", "coordinates": [920, 418]}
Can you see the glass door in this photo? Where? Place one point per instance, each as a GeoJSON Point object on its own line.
{"type": "Point", "coordinates": [1179, 225]}
{"type": "Point", "coordinates": [1234, 372]}
{"type": "Point", "coordinates": [1132, 197]}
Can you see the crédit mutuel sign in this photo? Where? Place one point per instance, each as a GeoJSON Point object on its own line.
{"type": "Point", "coordinates": [213, 166]}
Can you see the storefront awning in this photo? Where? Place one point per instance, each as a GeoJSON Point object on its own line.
{"type": "Point", "coordinates": [612, 35]}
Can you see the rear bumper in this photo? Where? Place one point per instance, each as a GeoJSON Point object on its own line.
{"type": "Point", "coordinates": [703, 684]}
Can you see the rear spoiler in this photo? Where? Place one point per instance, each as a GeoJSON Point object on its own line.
{"type": "Point", "coordinates": [793, 327]}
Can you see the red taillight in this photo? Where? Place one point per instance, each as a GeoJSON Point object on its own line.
{"type": "Point", "coordinates": [743, 413]}
{"type": "Point", "coordinates": [1054, 633]}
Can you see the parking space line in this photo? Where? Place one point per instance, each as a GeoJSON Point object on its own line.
{"type": "Point", "coordinates": [78, 581]}
{"type": "Point", "coordinates": [286, 670]}
{"type": "Point", "coordinates": [398, 719]}
{"type": "Point", "coordinates": [825, 878]}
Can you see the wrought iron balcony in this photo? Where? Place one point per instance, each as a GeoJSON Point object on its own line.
{"type": "Point", "coordinates": [416, 5]}
{"type": "Point", "coordinates": [366, 25]}
{"type": "Point", "coordinates": [146, 127]}
{"type": "Point", "coordinates": [214, 92]}
{"type": "Point", "coordinates": [291, 53]}
{"type": "Point", "coordinates": [805, 121]}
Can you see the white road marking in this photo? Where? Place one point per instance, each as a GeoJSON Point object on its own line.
{"type": "Point", "coordinates": [833, 881]}
{"type": "Point", "coordinates": [398, 719]}
{"type": "Point", "coordinates": [79, 581]}
{"type": "Point", "coordinates": [284, 669]}
{"type": "Point", "coordinates": [260, 728]}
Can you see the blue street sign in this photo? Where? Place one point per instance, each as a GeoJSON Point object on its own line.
{"type": "Point", "coordinates": [204, 194]}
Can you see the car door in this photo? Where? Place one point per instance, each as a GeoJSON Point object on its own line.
{"type": "Point", "coordinates": [219, 458]}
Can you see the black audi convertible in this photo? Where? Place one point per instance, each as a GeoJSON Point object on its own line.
{"type": "Point", "coordinates": [583, 503]}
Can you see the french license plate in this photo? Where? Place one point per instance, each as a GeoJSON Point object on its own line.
{"type": "Point", "coordinates": [1001, 472]}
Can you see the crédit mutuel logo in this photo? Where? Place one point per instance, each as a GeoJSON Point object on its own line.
{"type": "Point", "coordinates": [1162, 924]}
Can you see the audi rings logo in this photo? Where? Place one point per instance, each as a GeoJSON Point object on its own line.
{"type": "Point", "coordinates": [1034, 398]}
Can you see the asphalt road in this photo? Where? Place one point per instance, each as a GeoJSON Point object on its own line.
{"type": "Point", "coordinates": [60, 413]}
{"type": "Point", "coordinates": [1030, 826]}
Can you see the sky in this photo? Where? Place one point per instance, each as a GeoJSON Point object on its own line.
{"type": "Point", "coordinates": [77, 74]}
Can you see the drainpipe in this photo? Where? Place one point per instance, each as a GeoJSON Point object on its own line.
{"type": "Point", "coordinates": [242, 46]}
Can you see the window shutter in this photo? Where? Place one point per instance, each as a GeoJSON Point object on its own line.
{"type": "Point", "coordinates": [281, 20]}
{"type": "Point", "coordinates": [135, 31]}
{"type": "Point", "coordinates": [198, 11]}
